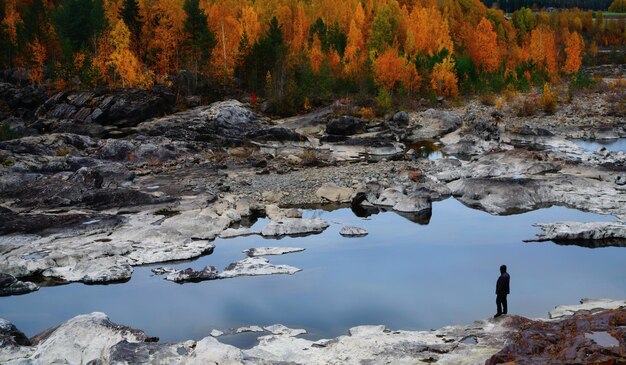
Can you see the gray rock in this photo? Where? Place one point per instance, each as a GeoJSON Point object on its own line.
{"type": "Point", "coordinates": [620, 180]}
{"type": "Point", "coordinates": [216, 333]}
{"type": "Point", "coordinates": [294, 226]}
{"type": "Point", "coordinates": [434, 123]}
{"type": "Point", "coordinates": [334, 193]}
{"type": "Point", "coordinates": [345, 126]}
{"type": "Point", "coordinates": [9, 285]}
{"type": "Point", "coordinates": [226, 121]}
{"type": "Point", "coordinates": [401, 117]}
{"type": "Point", "coordinates": [191, 276]}
{"type": "Point", "coordinates": [280, 330]}
{"type": "Point", "coordinates": [414, 203]}
{"type": "Point", "coordinates": [266, 251]}
{"type": "Point", "coordinates": [583, 231]}
{"type": "Point", "coordinates": [254, 266]}
{"type": "Point", "coordinates": [238, 232]}
{"type": "Point", "coordinates": [352, 231]}
{"type": "Point", "coordinates": [586, 305]}
{"type": "Point", "coordinates": [249, 329]}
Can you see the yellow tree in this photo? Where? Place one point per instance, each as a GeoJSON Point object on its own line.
{"type": "Point", "coordinates": [227, 29]}
{"type": "Point", "coordinates": [11, 20]}
{"type": "Point", "coordinates": [300, 30]}
{"type": "Point", "coordinates": [316, 56]}
{"type": "Point", "coordinates": [356, 52]}
{"type": "Point", "coordinates": [410, 78]}
{"type": "Point", "coordinates": [123, 61]}
{"type": "Point", "coordinates": [388, 69]}
{"type": "Point", "coordinates": [443, 80]}
{"type": "Point", "coordinates": [250, 24]}
{"type": "Point", "coordinates": [483, 47]}
{"type": "Point", "coordinates": [427, 32]}
{"type": "Point", "coordinates": [574, 45]}
{"type": "Point", "coordinates": [38, 56]}
{"type": "Point", "coordinates": [542, 49]}
{"type": "Point", "coordinates": [168, 35]}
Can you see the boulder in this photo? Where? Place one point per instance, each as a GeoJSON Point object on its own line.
{"type": "Point", "coordinates": [334, 193]}
{"type": "Point", "coordinates": [401, 117]}
{"type": "Point", "coordinates": [345, 126]}
{"type": "Point", "coordinates": [9, 285]}
{"type": "Point", "coordinates": [352, 231]}
{"type": "Point", "coordinates": [225, 122]}
{"type": "Point", "coordinates": [434, 123]}
{"type": "Point", "coordinates": [414, 203]}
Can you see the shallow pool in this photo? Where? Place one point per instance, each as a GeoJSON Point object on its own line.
{"type": "Point", "coordinates": [614, 145]}
{"type": "Point", "coordinates": [403, 275]}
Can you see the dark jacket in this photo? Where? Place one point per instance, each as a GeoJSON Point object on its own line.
{"type": "Point", "coordinates": [502, 286]}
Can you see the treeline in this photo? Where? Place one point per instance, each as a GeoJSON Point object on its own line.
{"type": "Point", "coordinates": [298, 53]}
{"type": "Point", "coordinates": [510, 6]}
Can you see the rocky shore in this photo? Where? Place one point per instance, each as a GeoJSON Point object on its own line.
{"type": "Point", "coordinates": [95, 183]}
{"type": "Point", "coordinates": [593, 332]}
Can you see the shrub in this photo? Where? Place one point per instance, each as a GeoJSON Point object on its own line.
{"type": "Point", "coordinates": [526, 106]}
{"type": "Point", "coordinates": [581, 81]}
{"type": "Point", "coordinates": [488, 99]}
{"type": "Point", "coordinates": [6, 133]}
{"type": "Point", "coordinates": [549, 99]}
{"type": "Point", "coordinates": [367, 113]}
{"type": "Point", "coordinates": [309, 157]}
{"type": "Point", "coordinates": [384, 102]}
{"type": "Point", "coordinates": [63, 151]}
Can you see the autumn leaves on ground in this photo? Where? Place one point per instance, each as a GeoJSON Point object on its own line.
{"type": "Point", "coordinates": [299, 54]}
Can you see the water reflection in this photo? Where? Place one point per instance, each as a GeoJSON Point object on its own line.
{"type": "Point", "coordinates": [403, 275]}
{"type": "Point", "coordinates": [427, 149]}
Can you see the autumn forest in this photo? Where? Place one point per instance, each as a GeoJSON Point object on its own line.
{"type": "Point", "coordinates": [300, 53]}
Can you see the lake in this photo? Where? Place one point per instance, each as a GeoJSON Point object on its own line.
{"type": "Point", "coordinates": [403, 275]}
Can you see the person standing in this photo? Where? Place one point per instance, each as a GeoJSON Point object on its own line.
{"type": "Point", "coordinates": [502, 290]}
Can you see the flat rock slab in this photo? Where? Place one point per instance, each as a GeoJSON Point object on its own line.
{"type": "Point", "coordinates": [253, 266]}
{"type": "Point", "coordinates": [238, 232]}
{"type": "Point", "coordinates": [191, 276]}
{"type": "Point", "coordinates": [9, 285]}
{"type": "Point", "coordinates": [281, 330]}
{"type": "Point", "coordinates": [334, 193]}
{"type": "Point", "coordinates": [587, 305]}
{"type": "Point", "coordinates": [294, 226]}
{"type": "Point", "coordinates": [216, 333]}
{"type": "Point", "coordinates": [352, 231]}
{"type": "Point", "coordinates": [266, 251]}
{"type": "Point", "coordinates": [249, 329]}
{"type": "Point", "coordinates": [585, 231]}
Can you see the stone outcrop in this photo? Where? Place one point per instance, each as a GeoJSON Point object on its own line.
{"type": "Point", "coordinates": [594, 234]}
{"type": "Point", "coordinates": [223, 122]}
{"type": "Point", "coordinates": [586, 306]}
{"type": "Point", "coordinates": [254, 266]}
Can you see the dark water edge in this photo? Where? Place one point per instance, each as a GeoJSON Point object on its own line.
{"type": "Point", "coordinates": [403, 275]}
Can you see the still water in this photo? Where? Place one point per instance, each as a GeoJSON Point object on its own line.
{"type": "Point", "coordinates": [614, 145]}
{"type": "Point", "coordinates": [403, 275]}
